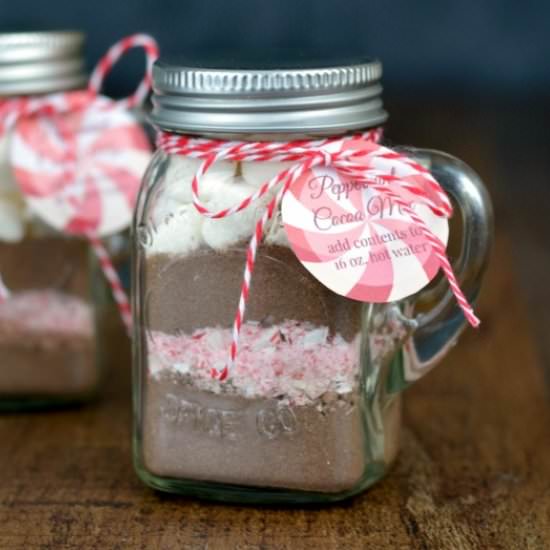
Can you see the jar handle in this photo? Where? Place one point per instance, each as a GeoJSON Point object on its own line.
{"type": "Point", "coordinates": [437, 329]}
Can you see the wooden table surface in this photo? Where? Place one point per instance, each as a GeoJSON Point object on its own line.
{"type": "Point", "coordinates": [473, 472]}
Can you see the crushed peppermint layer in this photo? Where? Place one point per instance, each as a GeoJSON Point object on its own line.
{"type": "Point", "coordinates": [45, 311]}
{"type": "Point", "coordinates": [295, 361]}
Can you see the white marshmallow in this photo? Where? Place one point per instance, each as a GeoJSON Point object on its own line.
{"type": "Point", "coordinates": [178, 234]}
{"type": "Point", "coordinates": [12, 226]}
{"type": "Point", "coordinates": [7, 181]}
{"type": "Point", "coordinates": [13, 208]}
{"type": "Point", "coordinates": [177, 187]}
{"type": "Point", "coordinates": [256, 173]}
{"type": "Point", "coordinates": [186, 230]}
{"type": "Point", "coordinates": [181, 171]}
{"type": "Point", "coordinates": [224, 232]}
{"type": "Point", "coordinates": [165, 208]}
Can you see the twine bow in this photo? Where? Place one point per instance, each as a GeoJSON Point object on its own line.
{"type": "Point", "coordinates": [351, 162]}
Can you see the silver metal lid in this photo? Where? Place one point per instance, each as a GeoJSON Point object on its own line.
{"type": "Point", "coordinates": [41, 62]}
{"type": "Point", "coordinates": [298, 96]}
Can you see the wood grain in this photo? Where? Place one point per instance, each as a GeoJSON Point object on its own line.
{"type": "Point", "coordinates": [474, 469]}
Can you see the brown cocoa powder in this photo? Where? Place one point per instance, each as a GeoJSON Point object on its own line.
{"type": "Point", "coordinates": [46, 364]}
{"type": "Point", "coordinates": [202, 290]}
{"type": "Point", "coordinates": [193, 435]}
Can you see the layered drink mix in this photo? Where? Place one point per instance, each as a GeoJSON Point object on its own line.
{"type": "Point", "coordinates": [291, 414]}
{"type": "Point", "coordinates": [47, 344]}
{"type": "Point", "coordinates": [71, 162]}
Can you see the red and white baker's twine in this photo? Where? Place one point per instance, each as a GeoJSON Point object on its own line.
{"type": "Point", "coordinates": [114, 280]}
{"type": "Point", "coordinates": [306, 155]}
{"type": "Point", "coordinates": [14, 109]}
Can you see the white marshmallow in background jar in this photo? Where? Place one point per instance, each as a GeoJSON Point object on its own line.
{"type": "Point", "coordinates": [13, 210]}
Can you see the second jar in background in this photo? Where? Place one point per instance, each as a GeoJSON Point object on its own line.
{"type": "Point", "coordinates": [57, 316]}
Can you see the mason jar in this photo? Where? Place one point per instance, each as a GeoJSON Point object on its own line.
{"type": "Point", "coordinates": [57, 317]}
{"type": "Point", "coordinates": [311, 410]}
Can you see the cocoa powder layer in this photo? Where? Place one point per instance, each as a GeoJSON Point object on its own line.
{"type": "Point", "coordinates": [46, 262]}
{"type": "Point", "coordinates": [202, 290]}
{"type": "Point", "coordinates": [42, 365]}
{"type": "Point", "coordinates": [193, 435]}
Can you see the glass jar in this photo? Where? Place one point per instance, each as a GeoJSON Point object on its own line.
{"type": "Point", "coordinates": [46, 324]}
{"type": "Point", "coordinates": [311, 411]}
{"type": "Point", "coordinates": [56, 310]}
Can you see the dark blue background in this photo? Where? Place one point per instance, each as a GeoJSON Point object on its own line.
{"type": "Point", "coordinates": [468, 48]}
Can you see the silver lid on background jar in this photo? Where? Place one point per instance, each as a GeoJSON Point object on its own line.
{"type": "Point", "coordinates": [41, 62]}
{"type": "Point", "coordinates": [302, 95]}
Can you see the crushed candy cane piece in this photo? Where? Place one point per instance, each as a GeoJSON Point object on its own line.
{"type": "Point", "coordinates": [297, 361]}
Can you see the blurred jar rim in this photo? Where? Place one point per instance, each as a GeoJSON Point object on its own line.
{"type": "Point", "coordinates": [41, 62]}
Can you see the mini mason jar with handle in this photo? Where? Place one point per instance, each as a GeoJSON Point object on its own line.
{"type": "Point", "coordinates": [279, 251]}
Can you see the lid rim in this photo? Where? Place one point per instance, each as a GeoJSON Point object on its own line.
{"type": "Point", "coordinates": [289, 100]}
{"type": "Point", "coordinates": [187, 123]}
{"type": "Point", "coordinates": [274, 103]}
{"type": "Point", "coordinates": [193, 80]}
{"type": "Point", "coordinates": [40, 62]}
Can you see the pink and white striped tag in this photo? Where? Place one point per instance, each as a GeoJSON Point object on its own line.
{"type": "Point", "coordinates": [357, 237]}
{"type": "Point", "coordinates": [78, 157]}
{"type": "Point", "coordinates": [80, 169]}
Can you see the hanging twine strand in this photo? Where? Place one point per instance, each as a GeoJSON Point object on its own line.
{"type": "Point", "coordinates": [354, 162]}
{"type": "Point", "coordinates": [113, 279]}
{"type": "Point", "coordinates": [12, 110]}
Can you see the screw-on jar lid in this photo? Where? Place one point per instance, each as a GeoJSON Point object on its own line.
{"type": "Point", "coordinates": [297, 96]}
{"type": "Point", "coordinates": [41, 62]}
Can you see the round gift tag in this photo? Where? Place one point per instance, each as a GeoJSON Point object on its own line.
{"type": "Point", "coordinates": [81, 171]}
{"type": "Point", "coordinates": [356, 240]}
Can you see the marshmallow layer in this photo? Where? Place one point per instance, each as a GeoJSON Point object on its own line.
{"type": "Point", "coordinates": [180, 229]}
